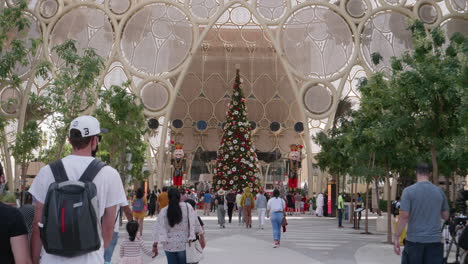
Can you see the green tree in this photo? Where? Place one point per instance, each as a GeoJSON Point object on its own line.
{"type": "Point", "coordinates": [428, 85]}
{"type": "Point", "coordinates": [120, 112]}
{"type": "Point", "coordinates": [14, 50]}
{"type": "Point", "coordinates": [236, 164]}
{"type": "Point", "coordinates": [74, 88]}
{"type": "Point", "coordinates": [23, 150]}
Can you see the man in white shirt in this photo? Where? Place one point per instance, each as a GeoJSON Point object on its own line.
{"type": "Point", "coordinates": [83, 136]}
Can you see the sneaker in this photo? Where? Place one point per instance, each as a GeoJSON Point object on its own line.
{"type": "Point", "coordinates": [275, 244]}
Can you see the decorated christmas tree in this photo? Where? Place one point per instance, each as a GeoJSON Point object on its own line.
{"type": "Point", "coordinates": [236, 165]}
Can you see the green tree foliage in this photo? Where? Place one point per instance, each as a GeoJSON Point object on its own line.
{"type": "Point", "coordinates": [73, 89]}
{"type": "Point", "coordinates": [119, 112]}
{"type": "Point", "coordinates": [429, 91]}
{"type": "Point", "coordinates": [14, 51]}
{"type": "Point", "coordinates": [236, 164]}
{"type": "Point", "coordinates": [26, 142]}
{"type": "Point", "coordinates": [406, 115]}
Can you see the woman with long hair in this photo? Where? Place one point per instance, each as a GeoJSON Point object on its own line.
{"type": "Point", "coordinates": [174, 228]}
{"type": "Point", "coordinates": [138, 207]}
{"type": "Point", "coordinates": [275, 208]}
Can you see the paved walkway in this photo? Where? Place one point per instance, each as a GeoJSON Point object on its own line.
{"type": "Point", "coordinates": [307, 240]}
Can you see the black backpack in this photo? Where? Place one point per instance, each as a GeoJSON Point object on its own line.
{"type": "Point", "coordinates": [394, 208]}
{"type": "Point", "coordinates": [70, 220]}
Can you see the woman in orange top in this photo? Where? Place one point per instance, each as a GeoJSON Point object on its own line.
{"type": "Point", "coordinates": [139, 204]}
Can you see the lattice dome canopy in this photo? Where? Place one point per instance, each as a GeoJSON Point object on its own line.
{"type": "Point", "coordinates": [297, 58]}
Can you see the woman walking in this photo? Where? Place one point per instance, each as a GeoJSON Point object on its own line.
{"type": "Point", "coordinates": [247, 203]}
{"type": "Point", "coordinates": [221, 204]}
{"type": "Point", "coordinates": [319, 204]}
{"type": "Point", "coordinates": [275, 208]}
{"type": "Point", "coordinates": [138, 208]}
{"type": "Point", "coordinates": [174, 228]}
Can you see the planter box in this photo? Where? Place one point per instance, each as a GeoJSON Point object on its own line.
{"type": "Point", "coordinates": [382, 223]}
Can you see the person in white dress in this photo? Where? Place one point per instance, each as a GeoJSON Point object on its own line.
{"type": "Point", "coordinates": [319, 203]}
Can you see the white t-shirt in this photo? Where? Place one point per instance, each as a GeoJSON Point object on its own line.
{"type": "Point", "coordinates": [117, 219]}
{"type": "Point", "coordinates": [276, 205]}
{"type": "Point", "coordinates": [110, 192]}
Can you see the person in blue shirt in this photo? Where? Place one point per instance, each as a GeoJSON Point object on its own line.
{"type": "Point", "coordinates": [206, 203]}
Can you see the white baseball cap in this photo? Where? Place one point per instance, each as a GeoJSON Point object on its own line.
{"type": "Point", "coordinates": [87, 125]}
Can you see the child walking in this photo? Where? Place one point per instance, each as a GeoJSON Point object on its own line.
{"type": "Point", "coordinates": [130, 249]}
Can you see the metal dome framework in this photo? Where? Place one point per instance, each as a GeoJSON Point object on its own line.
{"type": "Point", "coordinates": [298, 58]}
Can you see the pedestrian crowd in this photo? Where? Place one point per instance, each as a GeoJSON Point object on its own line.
{"type": "Point", "coordinates": [45, 229]}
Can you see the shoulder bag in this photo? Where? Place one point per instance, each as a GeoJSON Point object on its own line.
{"type": "Point", "coordinates": [193, 249]}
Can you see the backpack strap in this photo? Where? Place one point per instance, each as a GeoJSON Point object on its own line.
{"type": "Point", "coordinates": [93, 169]}
{"type": "Point", "coordinates": [58, 170]}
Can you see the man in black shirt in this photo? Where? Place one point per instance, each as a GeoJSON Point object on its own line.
{"type": "Point", "coordinates": [13, 234]}
{"type": "Point", "coordinates": [231, 202]}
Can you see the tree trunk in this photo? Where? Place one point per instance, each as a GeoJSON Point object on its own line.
{"type": "Point", "coordinates": [337, 193]}
{"type": "Point", "coordinates": [7, 165]}
{"type": "Point", "coordinates": [376, 182]}
{"type": "Point", "coordinates": [435, 166]}
{"type": "Point", "coordinates": [24, 171]}
{"type": "Point", "coordinates": [389, 215]}
{"type": "Point", "coordinates": [343, 185]}
{"type": "Point", "coordinates": [447, 185]}
{"type": "Point", "coordinates": [352, 201]}
{"type": "Point", "coordinates": [62, 135]}
{"type": "Point", "coordinates": [367, 207]}
{"type": "Point", "coordinates": [454, 188]}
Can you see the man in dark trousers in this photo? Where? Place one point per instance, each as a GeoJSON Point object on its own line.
{"type": "Point", "coordinates": [231, 202]}
{"type": "Point", "coordinates": [422, 206]}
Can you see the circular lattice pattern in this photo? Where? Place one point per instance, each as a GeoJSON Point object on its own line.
{"type": "Point", "coordinates": [318, 99]}
{"type": "Point", "coordinates": [9, 100]}
{"type": "Point", "coordinates": [180, 108]}
{"type": "Point", "coordinates": [204, 9]}
{"type": "Point", "coordinates": [90, 27]}
{"type": "Point", "coordinates": [317, 41]}
{"type": "Point", "coordinates": [277, 110]}
{"type": "Point", "coordinates": [240, 16]}
{"type": "Point", "coordinates": [391, 2]}
{"type": "Point", "coordinates": [154, 96]}
{"type": "Point", "coordinates": [119, 7]}
{"type": "Point", "coordinates": [48, 8]}
{"type": "Point", "coordinates": [385, 33]}
{"type": "Point", "coordinates": [356, 8]}
{"type": "Point", "coordinates": [33, 32]}
{"type": "Point", "coordinates": [153, 123]}
{"type": "Point", "coordinates": [201, 109]}
{"type": "Point", "coordinates": [453, 25]}
{"type": "Point", "coordinates": [271, 9]}
{"type": "Point", "coordinates": [460, 6]}
{"type": "Point", "coordinates": [161, 30]}
{"type": "Point", "coordinates": [264, 140]}
{"type": "Point", "coordinates": [427, 13]}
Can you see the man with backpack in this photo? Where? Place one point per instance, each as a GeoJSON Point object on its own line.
{"type": "Point", "coordinates": [76, 202]}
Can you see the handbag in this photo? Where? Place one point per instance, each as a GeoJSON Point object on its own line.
{"type": "Point", "coordinates": [284, 224]}
{"type": "Point", "coordinates": [193, 249]}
